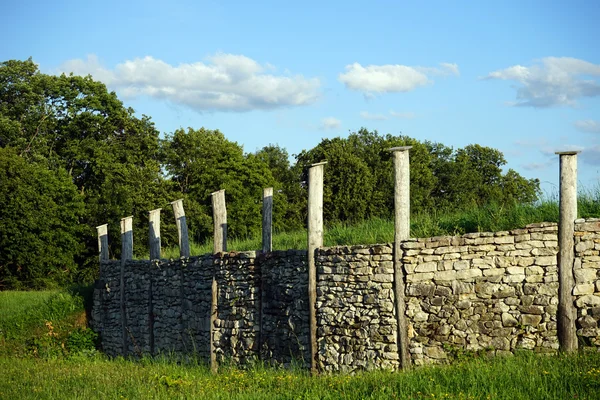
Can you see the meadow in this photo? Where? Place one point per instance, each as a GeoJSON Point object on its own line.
{"type": "Point", "coordinates": [47, 352]}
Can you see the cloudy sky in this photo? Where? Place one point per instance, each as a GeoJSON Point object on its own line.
{"type": "Point", "coordinates": [521, 76]}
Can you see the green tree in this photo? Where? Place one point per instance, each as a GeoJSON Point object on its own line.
{"type": "Point", "coordinates": [200, 162]}
{"type": "Point", "coordinates": [74, 124]}
{"type": "Point", "coordinates": [39, 224]}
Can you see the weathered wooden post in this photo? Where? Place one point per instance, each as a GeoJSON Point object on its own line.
{"type": "Point", "coordinates": [315, 240]}
{"type": "Point", "coordinates": [126, 254]}
{"type": "Point", "coordinates": [126, 238]}
{"type": "Point", "coordinates": [154, 234]}
{"type": "Point", "coordinates": [401, 232]}
{"type": "Point", "coordinates": [182, 230]}
{"type": "Point", "coordinates": [267, 220]}
{"type": "Point", "coordinates": [102, 242]}
{"type": "Point", "coordinates": [567, 332]}
{"type": "Point", "coordinates": [220, 221]}
{"type": "Point", "coordinates": [219, 246]}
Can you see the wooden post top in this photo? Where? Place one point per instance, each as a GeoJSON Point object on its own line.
{"type": "Point", "coordinates": [319, 163]}
{"type": "Point", "coordinates": [568, 153]}
{"type": "Point", "coordinates": [399, 148]}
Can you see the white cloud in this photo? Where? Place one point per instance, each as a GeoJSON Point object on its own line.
{"type": "Point", "coordinates": [375, 117]}
{"type": "Point", "coordinates": [553, 81]}
{"type": "Point", "coordinates": [227, 82]}
{"type": "Point", "coordinates": [391, 78]}
{"type": "Point", "coordinates": [588, 125]}
{"type": "Point", "coordinates": [403, 115]}
{"type": "Point", "coordinates": [330, 123]}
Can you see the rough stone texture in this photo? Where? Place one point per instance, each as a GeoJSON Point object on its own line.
{"type": "Point", "coordinates": [480, 291]}
{"type": "Point", "coordinates": [356, 324]}
{"type": "Point", "coordinates": [587, 280]}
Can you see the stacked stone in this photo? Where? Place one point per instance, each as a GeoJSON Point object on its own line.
{"type": "Point", "coordinates": [167, 281]}
{"type": "Point", "coordinates": [136, 279]}
{"type": "Point", "coordinates": [106, 310]}
{"type": "Point", "coordinates": [482, 291]}
{"type": "Point", "coordinates": [587, 279]}
{"type": "Point", "coordinates": [284, 330]}
{"type": "Point", "coordinates": [356, 324]}
{"type": "Point", "coordinates": [197, 288]}
{"type": "Point", "coordinates": [237, 325]}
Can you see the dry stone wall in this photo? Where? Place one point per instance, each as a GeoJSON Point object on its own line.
{"type": "Point", "coordinates": [482, 291]}
{"type": "Point", "coordinates": [587, 280]}
{"type": "Point", "coordinates": [493, 292]}
{"type": "Point", "coordinates": [356, 323]}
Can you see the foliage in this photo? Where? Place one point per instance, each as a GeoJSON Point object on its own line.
{"type": "Point", "coordinates": [40, 212]}
{"type": "Point", "coordinates": [359, 176]}
{"type": "Point", "coordinates": [90, 160]}
{"type": "Point", "coordinates": [200, 162]}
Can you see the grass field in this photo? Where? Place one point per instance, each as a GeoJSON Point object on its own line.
{"type": "Point", "coordinates": [51, 358]}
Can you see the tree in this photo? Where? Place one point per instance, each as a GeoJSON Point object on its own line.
{"type": "Point", "coordinates": [200, 162]}
{"type": "Point", "coordinates": [73, 124]}
{"type": "Point", "coordinates": [39, 224]}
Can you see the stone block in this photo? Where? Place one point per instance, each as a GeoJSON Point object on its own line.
{"type": "Point", "coordinates": [545, 260]}
{"type": "Point", "coordinates": [586, 288]}
{"type": "Point", "coordinates": [585, 275]}
{"type": "Point", "coordinates": [426, 267]}
{"type": "Point", "coordinates": [530, 320]}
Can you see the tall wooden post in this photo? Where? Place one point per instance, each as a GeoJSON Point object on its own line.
{"type": "Point", "coordinates": [566, 315]}
{"type": "Point", "coordinates": [126, 254]}
{"type": "Point", "coordinates": [182, 230]}
{"type": "Point", "coordinates": [315, 240]}
{"type": "Point", "coordinates": [267, 220]}
{"type": "Point", "coordinates": [154, 234]}
{"type": "Point", "coordinates": [401, 232]}
{"type": "Point", "coordinates": [219, 246]}
{"type": "Point", "coordinates": [126, 238]}
{"type": "Point", "coordinates": [102, 242]}
{"type": "Point", "coordinates": [220, 221]}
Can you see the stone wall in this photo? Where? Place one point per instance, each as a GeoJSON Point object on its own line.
{"type": "Point", "coordinates": [260, 307]}
{"type": "Point", "coordinates": [356, 323]}
{"type": "Point", "coordinates": [587, 280]}
{"type": "Point", "coordinates": [482, 291]}
{"type": "Point", "coordinates": [493, 292]}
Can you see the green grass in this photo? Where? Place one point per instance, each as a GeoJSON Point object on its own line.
{"type": "Point", "coordinates": [526, 376]}
{"type": "Point", "coordinates": [59, 364]}
{"type": "Point", "coordinates": [45, 323]}
{"type": "Point", "coordinates": [489, 218]}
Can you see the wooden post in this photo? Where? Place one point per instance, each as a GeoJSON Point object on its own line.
{"type": "Point", "coordinates": [126, 254]}
{"type": "Point", "coordinates": [182, 230]}
{"type": "Point", "coordinates": [219, 246]}
{"type": "Point", "coordinates": [401, 232]}
{"type": "Point", "coordinates": [220, 221]}
{"type": "Point", "coordinates": [315, 240]}
{"type": "Point", "coordinates": [154, 234]}
{"type": "Point", "coordinates": [126, 238]}
{"type": "Point", "coordinates": [567, 332]}
{"type": "Point", "coordinates": [267, 220]}
{"type": "Point", "coordinates": [103, 242]}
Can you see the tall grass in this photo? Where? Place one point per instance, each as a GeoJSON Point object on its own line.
{"type": "Point", "coordinates": [488, 218]}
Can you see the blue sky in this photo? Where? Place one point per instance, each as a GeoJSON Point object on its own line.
{"type": "Point", "coordinates": [519, 76]}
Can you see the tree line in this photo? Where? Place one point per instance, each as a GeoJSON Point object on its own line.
{"type": "Point", "coordinates": [73, 157]}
